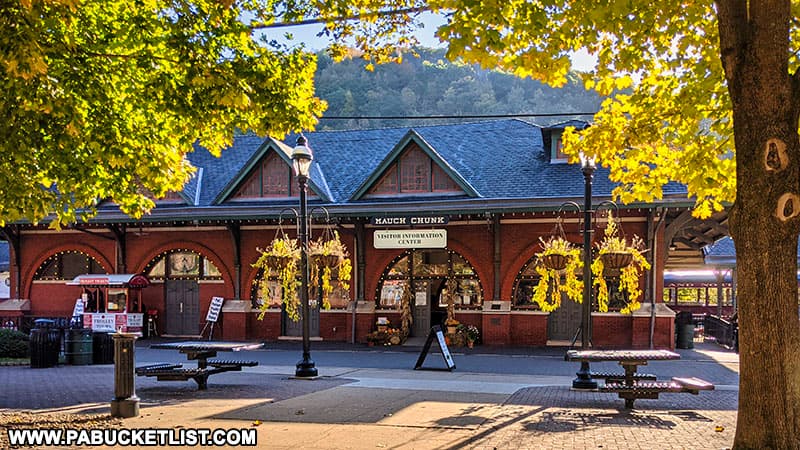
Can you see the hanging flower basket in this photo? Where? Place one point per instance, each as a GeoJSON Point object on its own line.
{"type": "Point", "coordinates": [322, 261]}
{"type": "Point", "coordinates": [557, 265]}
{"type": "Point", "coordinates": [619, 258]}
{"type": "Point", "coordinates": [554, 261]}
{"type": "Point", "coordinates": [616, 260]}
{"type": "Point", "coordinates": [281, 257]}
{"type": "Point", "coordinates": [277, 262]}
{"type": "Point", "coordinates": [329, 261]}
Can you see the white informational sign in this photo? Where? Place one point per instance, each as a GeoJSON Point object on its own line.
{"type": "Point", "coordinates": [214, 309]}
{"type": "Point", "coordinates": [135, 320]}
{"type": "Point", "coordinates": [410, 238]}
{"type": "Point", "coordinates": [448, 358]}
{"type": "Point", "coordinates": [78, 310]}
{"type": "Point", "coordinates": [421, 299]}
{"type": "Point", "coordinates": [104, 322]}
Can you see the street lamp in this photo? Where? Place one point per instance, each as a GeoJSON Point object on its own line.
{"type": "Point", "coordinates": [301, 161]}
{"type": "Point", "coordinates": [584, 377]}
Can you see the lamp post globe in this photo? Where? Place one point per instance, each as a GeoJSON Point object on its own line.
{"type": "Point", "coordinates": [301, 161]}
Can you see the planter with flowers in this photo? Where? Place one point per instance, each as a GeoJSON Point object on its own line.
{"type": "Point", "coordinates": [557, 266]}
{"type": "Point", "coordinates": [281, 258]}
{"type": "Point", "coordinates": [470, 333]}
{"type": "Point", "coordinates": [329, 260]}
{"type": "Point", "coordinates": [616, 256]}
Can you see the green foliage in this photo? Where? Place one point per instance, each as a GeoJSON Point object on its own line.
{"type": "Point", "coordinates": [430, 85]}
{"type": "Point", "coordinates": [102, 100]}
{"type": "Point", "coordinates": [13, 344]}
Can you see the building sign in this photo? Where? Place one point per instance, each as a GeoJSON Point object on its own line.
{"type": "Point", "coordinates": [413, 220]}
{"type": "Point", "coordinates": [110, 322]}
{"type": "Point", "coordinates": [410, 239]}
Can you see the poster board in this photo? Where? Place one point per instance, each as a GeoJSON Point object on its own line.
{"type": "Point", "coordinates": [78, 309]}
{"type": "Point", "coordinates": [214, 309]}
{"type": "Point", "coordinates": [436, 332]}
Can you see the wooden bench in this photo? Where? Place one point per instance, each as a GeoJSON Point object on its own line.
{"type": "Point", "coordinates": [651, 389]}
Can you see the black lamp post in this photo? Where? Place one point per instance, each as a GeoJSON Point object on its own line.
{"type": "Point", "coordinates": [584, 377]}
{"type": "Point", "coordinates": [301, 161]}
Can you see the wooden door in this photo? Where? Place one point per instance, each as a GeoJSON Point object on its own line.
{"type": "Point", "coordinates": [421, 308]}
{"type": "Point", "coordinates": [295, 328]}
{"type": "Point", "coordinates": [564, 322]}
{"type": "Point", "coordinates": [182, 307]}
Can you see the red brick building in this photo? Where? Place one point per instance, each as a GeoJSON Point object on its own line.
{"type": "Point", "coordinates": [483, 192]}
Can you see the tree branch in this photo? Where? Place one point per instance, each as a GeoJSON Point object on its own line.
{"type": "Point", "coordinates": [368, 15]}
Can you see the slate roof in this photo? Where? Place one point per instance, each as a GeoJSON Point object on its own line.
{"type": "Point", "coordinates": [723, 252]}
{"type": "Point", "coordinates": [501, 160]}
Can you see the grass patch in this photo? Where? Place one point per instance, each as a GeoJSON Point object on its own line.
{"type": "Point", "coordinates": [14, 361]}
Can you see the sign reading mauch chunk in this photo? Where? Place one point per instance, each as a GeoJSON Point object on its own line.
{"type": "Point", "coordinates": [410, 220]}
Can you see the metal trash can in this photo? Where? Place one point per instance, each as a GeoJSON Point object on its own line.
{"type": "Point", "coordinates": [45, 343]}
{"type": "Point", "coordinates": [684, 330]}
{"type": "Point", "coordinates": [78, 346]}
{"type": "Point", "coordinates": [103, 348]}
{"type": "Point", "coordinates": [685, 336]}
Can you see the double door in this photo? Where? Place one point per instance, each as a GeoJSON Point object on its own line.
{"type": "Point", "coordinates": [182, 307]}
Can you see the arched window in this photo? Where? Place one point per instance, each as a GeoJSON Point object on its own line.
{"type": "Point", "coordinates": [339, 298]}
{"type": "Point", "coordinates": [67, 265]}
{"type": "Point", "coordinates": [182, 264]}
{"type": "Point", "coordinates": [424, 266]}
{"type": "Point", "coordinates": [527, 278]}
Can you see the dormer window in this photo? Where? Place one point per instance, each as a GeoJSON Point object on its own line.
{"type": "Point", "coordinates": [557, 154]}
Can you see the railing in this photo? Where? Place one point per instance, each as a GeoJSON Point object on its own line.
{"type": "Point", "coordinates": [722, 331]}
{"type": "Point", "coordinates": [26, 323]}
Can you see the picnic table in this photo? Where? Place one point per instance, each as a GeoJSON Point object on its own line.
{"type": "Point", "coordinates": [202, 352]}
{"type": "Point", "coordinates": [631, 384]}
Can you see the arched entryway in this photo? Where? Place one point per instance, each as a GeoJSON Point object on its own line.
{"type": "Point", "coordinates": [425, 272]}
{"type": "Point", "coordinates": [181, 271]}
{"type": "Point", "coordinates": [563, 323]}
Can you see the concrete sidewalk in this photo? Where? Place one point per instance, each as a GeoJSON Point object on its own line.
{"type": "Point", "coordinates": [367, 408]}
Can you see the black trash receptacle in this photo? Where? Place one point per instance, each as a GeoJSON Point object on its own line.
{"type": "Point", "coordinates": [684, 330]}
{"type": "Point", "coordinates": [45, 344]}
{"type": "Point", "coordinates": [102, 348]}
{"type": "Point", "coordinates": [78, 346]}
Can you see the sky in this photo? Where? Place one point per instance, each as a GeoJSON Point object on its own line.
{"type": "Point", "coordinates": [307, 34]}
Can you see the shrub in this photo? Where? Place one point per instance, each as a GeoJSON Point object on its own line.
{"type": "Point", "coordinates": [13, 344]}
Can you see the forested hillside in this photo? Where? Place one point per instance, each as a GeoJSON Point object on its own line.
{"type": "Point", "coordinates": [430, 85]}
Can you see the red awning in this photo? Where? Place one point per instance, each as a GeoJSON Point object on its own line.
{"type": "Point", "coordinates": [133, 280]}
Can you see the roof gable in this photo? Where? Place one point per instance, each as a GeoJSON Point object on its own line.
{"type": "Point", "coordinates": [415, 140]}
{"type": "Point", "coordinates": [243, 176]}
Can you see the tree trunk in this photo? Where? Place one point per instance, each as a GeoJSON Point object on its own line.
{"type": "Point", "coordinates": [754, 40]}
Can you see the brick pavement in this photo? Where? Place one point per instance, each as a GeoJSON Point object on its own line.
{"type": "Point", "coordinates": [334, 412]}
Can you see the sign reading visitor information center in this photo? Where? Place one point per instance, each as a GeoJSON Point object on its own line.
{"type": "Point", "coordinates": [410, 239]}
{"type": "Point", "coordinates": [423, 220]}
